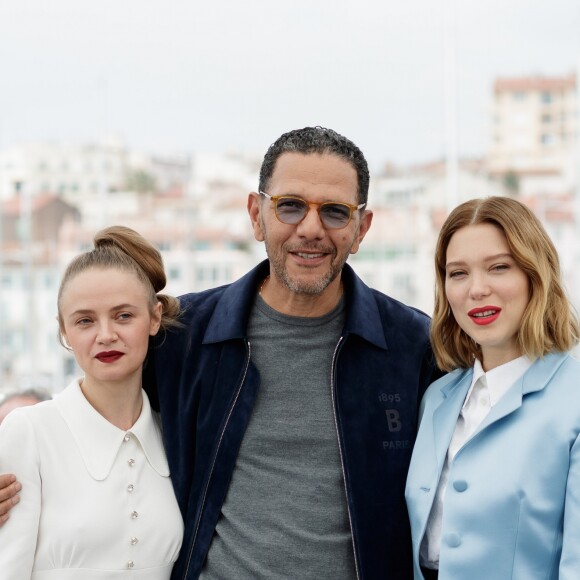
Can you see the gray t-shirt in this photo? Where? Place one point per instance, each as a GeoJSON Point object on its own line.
{"type": "Point", "coordinates": [285, 514]}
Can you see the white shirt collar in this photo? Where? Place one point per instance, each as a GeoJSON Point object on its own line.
{"type": "Point", "coordinates": [99, 441]}
{"type": "Point", "coordinates": [501, 378]}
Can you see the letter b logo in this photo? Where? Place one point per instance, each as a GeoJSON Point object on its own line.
{"type": "Point", "coordinates": [393, 419]}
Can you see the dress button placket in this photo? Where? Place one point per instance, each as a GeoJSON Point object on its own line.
{"type": "Point", "coordinates": [133, 514]}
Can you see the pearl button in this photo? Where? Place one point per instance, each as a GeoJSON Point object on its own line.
{"type": "Point", "coordinates": [460, 485]}
{"type": "Point", "coordinates": [453, 540]}
{"type": "Point", "coordinates": [131, 462]}
{"type": "Point", "coordinates": [127, 438]}
{"type": "Point", "coordinates": [130, 564]}
{"type": "Point", "coordinates": [134, 515]}
{"type": "Point", "coordinates": [134, 541]}
{"type": "Point", "coordinates": [130, 488]}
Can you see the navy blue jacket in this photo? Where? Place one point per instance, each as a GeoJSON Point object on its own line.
{"type": "Point", "coordinates": [202, 379]}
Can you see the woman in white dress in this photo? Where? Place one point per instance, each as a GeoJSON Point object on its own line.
{"type": "Point", "coordinates": [97, 502]}
{"type": "Point", "coordinates": [494, 484]}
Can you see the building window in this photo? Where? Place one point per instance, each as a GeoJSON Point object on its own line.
{"type": "Point", "coordinates": [546, 97]}
{"type": "Point", "coordinates": [546, 118]}
{"type": "Point", "coordinates": [520, 95]}
{"type": "Point", "coordinates": [70, 367]}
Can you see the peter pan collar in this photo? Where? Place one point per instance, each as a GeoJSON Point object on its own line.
{"type": "Point", "coordinates": [99, 441]}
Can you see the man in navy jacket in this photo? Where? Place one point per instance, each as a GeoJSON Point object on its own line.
{"type": "Point", "coordinates": [289, 399]}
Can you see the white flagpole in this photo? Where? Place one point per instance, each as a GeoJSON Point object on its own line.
{"type": "Point", "coordinates": [450, 104]}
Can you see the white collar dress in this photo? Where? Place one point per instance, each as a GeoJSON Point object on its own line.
{"type": "Point", "coordinates": [96, 503]}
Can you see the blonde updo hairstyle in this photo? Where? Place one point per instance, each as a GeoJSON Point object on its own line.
{"type": "Point", "coordinates": [122, 248]}
{"type": "Point", "coordinates": [549, 322]}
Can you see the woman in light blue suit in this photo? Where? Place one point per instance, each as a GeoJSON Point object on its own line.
{"type": "Point", "coordinates": [494, 484]}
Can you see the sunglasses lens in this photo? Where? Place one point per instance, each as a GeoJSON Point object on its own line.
{"type": "Point", "coordinates": [291, 210]}
{"type": "Point", "coordinates": [334, 215]}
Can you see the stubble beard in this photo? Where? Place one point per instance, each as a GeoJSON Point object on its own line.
{"type": "Point", "coordinates": [299, 286]}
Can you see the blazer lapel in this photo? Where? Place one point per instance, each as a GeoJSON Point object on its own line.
{"type": "Point", "coordinates": [511, 401]}
{"type": "Point", "coordinates": [446, 413]}
{"type": "Point", "coordinates": [534, 379]}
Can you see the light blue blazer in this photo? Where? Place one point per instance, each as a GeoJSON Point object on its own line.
{"type": "Point", "coordinates": [512, 504]}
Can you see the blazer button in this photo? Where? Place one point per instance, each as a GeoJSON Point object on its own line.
{"type": "Point", "coordinates": [460, 485]}
{"type": "Point", "coordinates": [453, 540]}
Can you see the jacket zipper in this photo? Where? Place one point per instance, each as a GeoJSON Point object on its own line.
{"type": "Point", "coordinates": [332, 394]}
{"type": "Point", "coordinates": [205, 491]}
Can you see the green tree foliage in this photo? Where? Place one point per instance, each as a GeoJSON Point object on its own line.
{"type": "Point", "coordinates": [511, 181]}
{"type": "Point", "coordinates": [140, 181]}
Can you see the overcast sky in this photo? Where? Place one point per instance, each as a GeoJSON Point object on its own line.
{"type": "Point", "coordinates": [187, 76]}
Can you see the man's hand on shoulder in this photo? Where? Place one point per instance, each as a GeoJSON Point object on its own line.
{"type": "Point", "coordinates": [9, 489]}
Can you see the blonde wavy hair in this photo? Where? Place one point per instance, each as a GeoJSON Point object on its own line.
{"type": "Point", "coordinates": [549, 322]}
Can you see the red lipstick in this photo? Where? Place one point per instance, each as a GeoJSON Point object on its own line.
{"type": "Point", "coordinates": [109, 356]}
{"type": "Point", "coordinates": [484, 315]}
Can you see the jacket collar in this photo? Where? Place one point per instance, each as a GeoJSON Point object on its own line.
{"type": "Point", "coordinates": [230, 317]}
{"type": "Point", "coordinates": [454, 387]}
{"type": "Point", "coordinates": [534, 379]}
{"type": "Point", "coordinates": [99, 441]}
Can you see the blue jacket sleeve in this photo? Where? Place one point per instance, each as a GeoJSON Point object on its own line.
{"type": "Point", "coordinates": [570, 560]}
